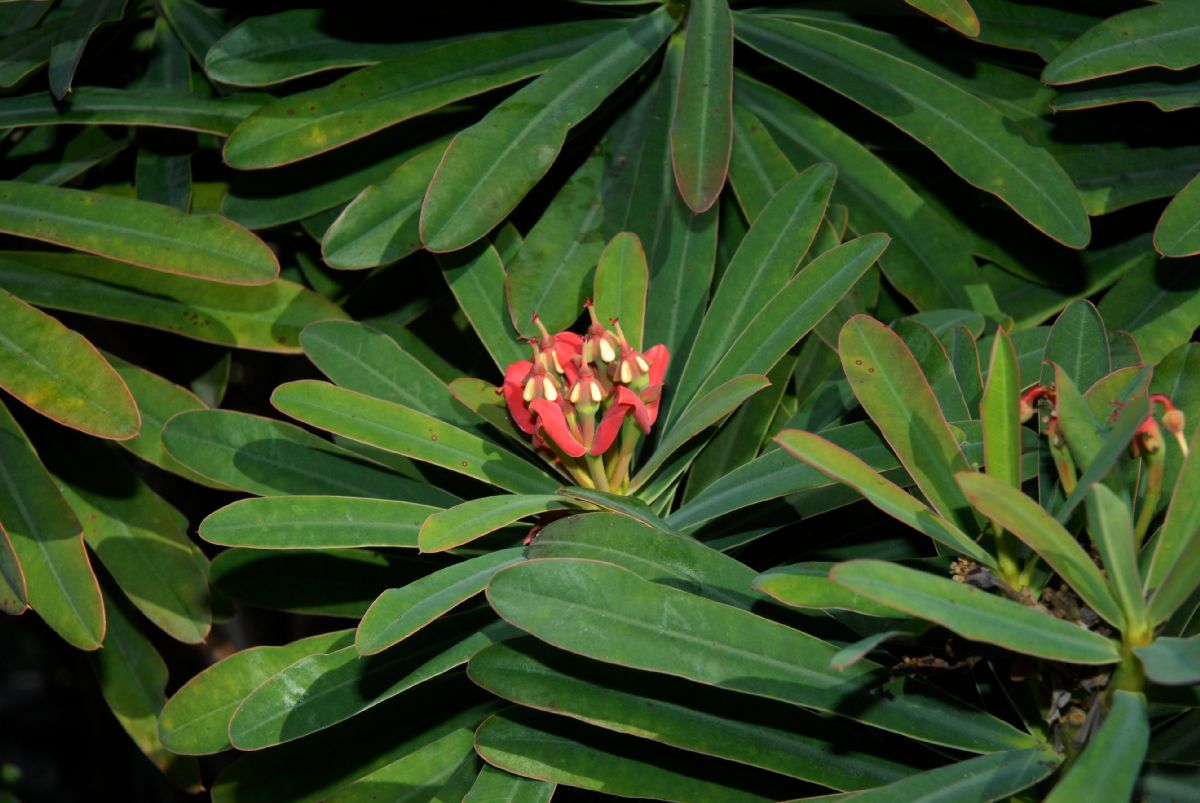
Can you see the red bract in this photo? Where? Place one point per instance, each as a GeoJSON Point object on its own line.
{"type": "Point", "coordinates": [576, 395]}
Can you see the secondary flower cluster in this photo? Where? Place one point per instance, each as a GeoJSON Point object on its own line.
{"type": "Point", "coordinates": [1147, 440]}
{"type": "Point", "coordinates": [580, 394]}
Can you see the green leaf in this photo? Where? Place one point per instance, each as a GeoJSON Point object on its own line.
{"type": "Point", "coordinates": [322, 690]}
{"type": "Point", "coordinates": [272, 48]}
{"type": "Point", "coordinates": [928, 261]}
{"type": "Point", "coordinates": [198, 26]}
{"type": "Point", "coordinates": [999, 776]}
{"type": "Point", "coordinates": [61, 375]}
{"type": "Point", "coordinates": [305, 124]}
{"type": "Point", "coordinates": [702, 128]}
{"type": "Point", "coordinates": [1169, 95]}
{"type": "Point", "coordinates": [137, 232]}
{"type": "Point", "coordinates": [1078, 344]}
{"type": "Point", "coordinates": [999, 413]}
{"type": "Point", "coordinates": [602, 611]}
{"type": "Point", "coordinates": [649, 552]}
{"type": "Point", "coordinates": [380, 224]}
{"type": "Point", "coordinates": [47, 540]}
{"type": "Point", "coordinates": [362, 359]}
{"type": "Point", "coordinates": [1177, 233]}
{"type": "Point", "coordinates": [476, 518]}
{"type": "Point", "coordinates": [1110, 525]}
{"type": "Point", "coordinates": [490, 166]}
{"type": "Point", "coordinates": [987, 153]}
{"type": "Point", "coordinates": [807, 585]}
{"type": "Point", "coordinates": [1044, 30]}
{"type": "Point", "coordinates": [1175, 565]}
{"type": "Point", "coordinates": [695, 718]}
{"type": "Point", "coordinates": [72, 38]}
{"type": "Point", "coordinates": [619, 289]}
{"type": "Point", "coordinates": [795, 310]}
{"type": "Point", "coordinates": [758, 169]}
{"type": "Point", "coordinates": [415, 776]}
{"type": "Point", "coordinates": [14, 596]}
{"type": "Point", "coordinates": [1172, 661]}
{"type": "Point", "coordinates": [396, 428]}
{"type": "Point", "coordinates": [1111, 760]}
{"type": "Point", "coordinates": [264, 318]}
{"type": "Point", "coordinates": [195, 721]}
{"type": "Point", "coordinates": [139, 538]}
{"type": "Point", "coordinates": [1026, 519]}
{"type": "Point", "coordinates": [133, 680]}
{"type": "Point", "coordinates": [628, 506]}
{"type": "Point", "coordinates": [1157, 304]}
{"type": "Point", "coordinates": [704, 412]}
{"type": "Point", "coordinates": [765, 261]}
{"type": "Point", "coordinates": [477, 279]}
{"type": "Point", "coordinates": [549, 276]}
{"type": "Point", "coordinates": [315, 522]}
{"type": "Point", "coordinates": [1151, 36]}
{"type": "Point", "coordinates": [845, 467]}
{"type": "Point", "coordinates": [975, 614]}
{"type": "Point", "coordinates": [1115, 445]}
{"type": "Point", "coordinates": [958, 14]}
{"type": "Point", "coordinates": [557, 750]}
{"type": "Point", "coordinates": [495, 784]}
{"type": "Point", "coordinates": [272, 458]}
{"type": "Point", "coordinates": [932, 359]}
{"type": "Point", "coordinates": [892, 390]}
{"type": "Point", "coordinates": [398, 613]}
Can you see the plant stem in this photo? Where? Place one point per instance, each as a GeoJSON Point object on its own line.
{"type": "Point", "coordinates": [595, 466]}
{"type": "Point", "coordinates": [1154, 483]}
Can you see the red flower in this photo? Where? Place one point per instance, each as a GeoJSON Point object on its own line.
{"type": "Point", "coordinates": [515, 377]}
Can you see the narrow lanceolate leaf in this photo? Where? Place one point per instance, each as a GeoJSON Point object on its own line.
{"type": "Point", "coordinates": [477, 280]}
{"type": "Point", "coordinates": [1175, 568]}
{"type": "Point", "coordinates": [265, 317]}
{"type": "Point", "coordinates": [891, 388]}
{"type": "Point", "coordinates": [273, 458]}
{"type": "Point", "coordinates": [73, 37]}
{"type": "Point", "coordinates": [439, 769]}
{"type": "Point", "coordinates": [795, 310]}
{"type": "Point", "coordinates": [989, 152]}
{"type": "Point", "coordinates": [489, 167]}
{"type": "Point", "coordinates": [137, 232]}
{"type": "Point", "coordinates": [133, 679]}
{"type": "Point", "coordinates": [48, 542]}
{"type": "Point", "coordinates": [558, 750]}
{"type": "Point", "coordinates": [1178, 231]}
{"type": "Point", "coordinates": [958, 14]}
{"type": "Point", "coordinates": [845, 467]}
{"type": "Point", "coordinates": [317, 692]}
{"type": "Point", "coordinates": [315, 522]}
{"type": "Point", "coordinates": [400, 612]}
{"type": "Point", "coordinates": [1172, 661]}
{"type": "Point", "coordinates": [757, 167]}
{"type": "Point", "coordinates": [619, 289]}
{"type": "Point", "coordinates": [1000, 414]}
{"type": "Point", "coordinates": [405, 431]}
{"type": "Point", "coordinates": [709, 409]}
{"type": "Point", "coordinates": [475, 518]}
{"type": "Point", "coordinates": [195, 721]}
{"type": "Point", "coordinates": [493, 783]}
{"type": "Point", "coordinates": [158, 108]}
{"type": "Point", "coordinates": [61, 375]}
{"type": "Point", "coordinates": [1151, 36]}
{"type": "Point", "coordinates": [928, 262]}
{"type": "Point", "coordinates": [982, 779]}
{"type": "Point", "coordinates": [807, 585]}
{"type": "Point", "coordinates": [764, 262]}
{"type": "Point", "coordinates": [363, 359]}
{"type": "Point", "coordinates": [1165, 95]}
{"type": "Point", "coordinates": [1110, 763]}
{"type": "Point", "coordinates": [1110, 525]}
{"type": "Point", "coordinates": [697, 718]}
{"type": "Point", "coordinates": [605, 612]}
{"type": "Point", "coordinates": [1111, 449]}
{"type": "Point", "coordinates": [1029, 521]}
{"type": "Point", "coordinates": [702, 129]}
{"type": "Point", "coordinates": [975, 614]}
{"type": "Point", "coordinates": [380, 224]}
{"type": "Point", "coordinates": [368, 100]}
{"type": "Point", "coordinates": [139, 538]}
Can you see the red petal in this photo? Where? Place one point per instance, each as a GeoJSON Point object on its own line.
{"type": "Point", "coordinates": [659, 358]}
{"type": "Point", "coordinates": [606, 433]}
{"type": "Point", "coordinates": [514, 388]}
{"type": "Point", "coordinates": [568, 346]}
{"type": "Point", "coordinates": [554, 424]}
{"type": "Point", "coordinates": [641, 414]}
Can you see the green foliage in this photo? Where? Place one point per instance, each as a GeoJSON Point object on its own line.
{"type": "Point", "coordinates": [901, 501]}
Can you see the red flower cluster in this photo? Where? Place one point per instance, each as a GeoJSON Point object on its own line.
{"type": "Point", "coordinates": [578, 393]}
{"type": "Point", "coordinates": [1147, 440]}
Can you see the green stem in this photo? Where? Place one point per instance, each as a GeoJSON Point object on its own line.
{"type": "Point", "coordinates": [1010, 573]}
{"type": "Point", "coordinates": [595, 466]}
{"type": "Point", "coordinates": [1154, 483]}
